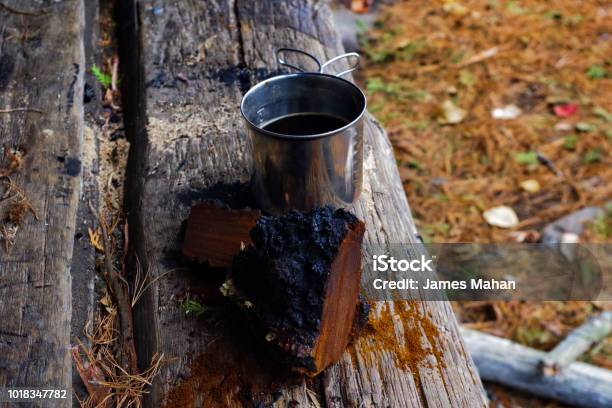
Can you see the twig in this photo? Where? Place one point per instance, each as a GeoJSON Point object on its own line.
{"type": "Point", "coordinates": [114, 74]}
{"type": "Point", "coordinates": [576, 343]}
{"type": "Point", "coordinates": [120, 292]}
{"type": "Point", "coordinates": [90, 375]}
{"type": "Point", "coordinates": [481, 56]}
{"type": "Point", "coordinates": [549, 164]}
{"type": "Point", "coordinates": [124, 306]}
{"type": "Point", "coordinates": [10, 110]}
{"type": "Point", "coordinates": [12, 187]}
{"type": "Point", "coordinates": [23, 12]}
{"type": "Point", "coordinates": [142, 281]}
{"type": "Point", "coordinates": [503, 361]}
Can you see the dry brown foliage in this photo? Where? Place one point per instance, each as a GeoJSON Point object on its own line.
{"type": "Point", "coordinates": [483, 55]}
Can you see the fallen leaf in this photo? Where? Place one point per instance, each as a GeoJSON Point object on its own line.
{"type": "Point", "coordinates": [360, 6]}
{"type": "Point", "coordinates": [501, 216]}
{"type": "Point", "coordinates": [529, 236]}
{"type": "Point", "coordinates": [481, 56]}
{"type": "Point", "coordinates": [592, 156]}
{"type": "Point", "coordinates": [466, 78]}
{"type": "Point", "coordinates": [531, 185]}
{"type": "Point", "coordinates": [569, 238]}
{"type": "Point", "coordinates": [584, 127]}
{"type": "Point", "coordinates": [455, 8]}
{"type": "Point", "coordinates": [569, 143]}
{"type": "Point", "coordinates": [565, 110]}
{"type": "Point", "coordinates": [596, 72]}
{"type": "Point", "coordinates": [452, 114]}
{"type": "Point", "coordinates": [95, 238]}
{"type": "Point", "coordinates": [528, 158]}
{"type": "Point", "coordinates": [506, 113]}
{"type": "Point", "coordinates": [602, 113]}
{"type": "Point", "coordinates": [563, 126]}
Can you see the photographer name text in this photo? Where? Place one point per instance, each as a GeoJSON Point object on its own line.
{"type": "Point", "coordinates": [386, 263]}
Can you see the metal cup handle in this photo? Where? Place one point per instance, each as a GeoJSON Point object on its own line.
{"type": "Point", "coordinates": [348, 56]}
{"type": "Point", "coordinates": [282, 61]}
{"type": "Point", "coordinates": [321, 67]}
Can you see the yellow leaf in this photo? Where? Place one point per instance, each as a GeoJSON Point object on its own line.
{"type": "Point", "coordinates": [95, 239]}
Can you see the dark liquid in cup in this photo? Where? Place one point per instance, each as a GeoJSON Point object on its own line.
{"type": "Point", "coordinates": [303, 124]}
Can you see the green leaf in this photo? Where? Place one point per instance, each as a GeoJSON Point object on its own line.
{"type": "Point", "coordinates": [569, 142]}
{"type": "Point", "coordinates": [104, 79]}
{"type": "Point", "coordinates": [515, 8]}
{"type": "Point", "coordinates": [553, 15]}
{"type": "Point", "coordinates": [361, 26]}
{"type": "Point", "coordinates": [592, 156]}
{"type": "Point", "coordinates": [574, 20]}
{"type": "Point", "coordinates": [527, 158]}
{"type": "Point", "coordinates": [380, 56]}
{"type": "Point", "coordinates": [602, 113]}
{"type": "Point", "coordinates": [441, 197]}
{"type": "Point", "coordinates": [466, 78]}
{"type": "Point", "coordinates": [410, 50]}
{"type": "Point", "coordinates": [584, 127]}
{"type": "Point", "coordinates": [191, 307]}
{"type": "Point", "coordinates": [415, 164]}
{"type": "Point", "coordinates": [375, 84]}
{"type": "Point", "coordinates": [440, 228]}
{"type": "Point", "coordinates": [596, 72]}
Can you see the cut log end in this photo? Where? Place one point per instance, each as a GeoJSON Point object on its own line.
{"type": "Point", "coordinates": [216, 233]}
{"type": "Point", "coordinates": [299, 284]}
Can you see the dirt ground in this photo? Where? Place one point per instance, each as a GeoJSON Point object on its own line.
{"type": "Point", "coordinates": [499, 104]}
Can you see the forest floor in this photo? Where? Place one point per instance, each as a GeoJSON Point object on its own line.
{"type": "Point", "coordinates": [495, 104]}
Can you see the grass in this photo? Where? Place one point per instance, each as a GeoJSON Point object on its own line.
{"type": "Point", "coordinates": [104, 79]}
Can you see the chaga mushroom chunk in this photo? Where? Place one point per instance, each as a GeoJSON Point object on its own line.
{"type": "Point", "coordinates": [299, 283]}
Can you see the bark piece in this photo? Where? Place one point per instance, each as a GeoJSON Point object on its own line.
{"type": "Point", "coordinates": [215, 233]}
{"type": "Point", "coordinates": [299, 284]}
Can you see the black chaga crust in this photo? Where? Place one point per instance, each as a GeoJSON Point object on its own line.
{"type": "Point", "coordinates": [283, 277]}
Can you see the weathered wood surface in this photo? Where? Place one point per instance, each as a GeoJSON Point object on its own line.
{"type": "Point", "coordinates": [197, 60]}
{"type": "Point", "coordinates": [502, 361]}
{"type": "Point", "coordinates": [41, 67]}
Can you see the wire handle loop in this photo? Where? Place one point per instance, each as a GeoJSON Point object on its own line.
{"type": "Point", "coordinates": [320, 67]}
{"type": "Point", "coordinates": [284, 62]}
{"type": "Point", "coordinates": [352, 66]}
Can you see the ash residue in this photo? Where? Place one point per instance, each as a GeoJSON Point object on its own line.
{"type": "Point", "coordinates": [284, 275]}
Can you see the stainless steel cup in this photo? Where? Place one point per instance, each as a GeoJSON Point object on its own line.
{"type": "Point", "coordinates": [305, 171]}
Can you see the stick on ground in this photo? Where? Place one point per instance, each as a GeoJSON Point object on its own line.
{"type": "Point", "coordinates": [505, 362]}
{"type": "Point", "coordinates": [576, 344]}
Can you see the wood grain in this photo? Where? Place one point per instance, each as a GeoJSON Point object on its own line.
{"type": "Point", "coordinates": [41, 67]}
{"type": "Point", "coordinates": [197, 58]}
{"type": "Point", "coordinates": [215, 234]}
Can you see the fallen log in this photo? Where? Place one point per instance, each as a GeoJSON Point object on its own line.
{"type": "Point", "coordinates": [299, 285]}
{"type": "Point", "coordinates": [187, 136]}
{"type": "Point", "coordinates": [41, 117]}
{"type": "Point", "coordinates": [505, 362]}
